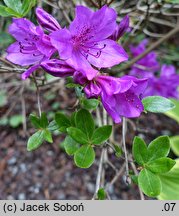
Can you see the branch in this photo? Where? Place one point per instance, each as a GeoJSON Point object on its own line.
{"type": "Point", "coordinates": [152, 47]}
{"type": "Point", "coordinates": [124, 128]}
{"type": "Point", "coordinates": [94, 4]}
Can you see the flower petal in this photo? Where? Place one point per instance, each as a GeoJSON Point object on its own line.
{"type": "Point", "coordinates": [28, 72]}
{"type": "Point", "coordinates": [79, 62]}
{"type": "Point", "coordinates": [122, 104]}
{"type": "Point", "coordinates": [16, 57]}
{"type": "Point", "coordinates": [92, 90]}
{"type": "Point", "coordinates": [120, 29]}
{"type": "Point", "coordinates": [47, 21]}
{"type": "Point", "coordinates": [60, 39]}
{"type": "Point", "coordinates": [111, 54]}
{"type": "Point", "coordinates": [57, 68]}
{"type": "Point", "coordinates": [104, 22]}
{"type": "Point", "coordinates": [44, 46]}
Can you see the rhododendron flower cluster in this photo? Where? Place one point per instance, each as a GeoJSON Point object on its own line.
{"type": "Point", "coordinates": [162, 79]}
{"type": "Point", "coordinates": [86, 46]}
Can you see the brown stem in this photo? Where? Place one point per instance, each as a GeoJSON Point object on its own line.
{"type": "Point", "coordinates": [152, 47]}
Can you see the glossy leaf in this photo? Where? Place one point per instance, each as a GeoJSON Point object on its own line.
{"type": "Point", "coordinates": [15, 5]}
{"type": "Point", "coordinates": [159, 147]}
{"type": "Point", "coordinates": [101, 194]}
{"type": "Point", "coordinates": [170, 186]}
{"type": "Point", "coordinates": [84, 157]}
{"type": "Point", "coordinates": [90, 104]}
{"type": "Point", "coordinates": [78, 135]}
{"type": "Point", "coordinates": [43, 120]}
{"type": "Point", "coordinates": [174, 113]}
{"type": "Point", "coordinates": [35, 120]}
{"type": "Point", "coordinates": [157, 104]}
{"type": "Point", "coordinates": [118, 150]}
{"type": "Point", "coordinates": [3, 11]}
{"type": "Point", "coordinates": [85, 122]}
{"type": "Point", "coordinates": [62, 121]}
{"type": "Point", "coordinates": [35, 141]}
{"type": "Point", "coordinates": [47, 136]}
{"type": "Point", "coordinates": [149, 183]}
{"type": "Point", "coordinates": [70, 145]}
{"type": "Point", "coordinates": [139, 151]}
{"type": "Point", "coordinates": [101, 134]}
{"type": "Point", "coordinates": [161, 165]}
{"type": "Point", "coordinates": [174, 143]}
{"type": "Point", "coordinates": [53, 126]}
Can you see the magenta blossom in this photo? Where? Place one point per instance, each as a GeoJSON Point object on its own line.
{"type": "Point", "coordinates": [58, 68]}
{"type": "Point", "coordinates": [166, 84]}
{"type": "Point", "coordinates": [119, 96]}
{"type": "Point", "coordinates": [32, 45]}
{"type": "Point", "coordinates": [146, 66]}
{"type": "Point", "coordinates": [86, 41]}
{"type": "Point", "coordinates": [120, 29]}
{"type": "Point", "coordinates": [46, 20]}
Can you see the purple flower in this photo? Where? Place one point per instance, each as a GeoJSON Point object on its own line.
{"type": "Point", "coordinates": [32, 45]}
{"type": "Point", "coordinates": [86, 41]}
{"type": "Point", "coordinates": [58, 68]}
{"type": "Point", "coordinates": [146, 66]}
{"type": "Point", "coordinates": [46, 20]}
{"type": "Point", "coordinates": [120, 29]}
{"type": "Point", "coordinates": [166, 84]}
{"type": "Point", "coordinates": [119, 96]}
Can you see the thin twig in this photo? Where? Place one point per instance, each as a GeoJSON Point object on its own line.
{"type": "Point", "coordinates": [64, 12]}
{"type": "Point", "coordinates": [94, 4]}
{"type": "Point", "coordinates": [124, 130]}
{"type": "Point", "coordinates": [153, 46]}
{"type": "Point", "coordinates": [100, 168]}
{"type": "Point", "coordinates": [115, 177]}
{"type": "Point", "coordinates": [23, 110]}
{"type": "Point", "coordinates": [136, 173]}
{"type": "Point", "coordinates": [110, 2]}
{"type": "Point", "coordinates": [38, 95]}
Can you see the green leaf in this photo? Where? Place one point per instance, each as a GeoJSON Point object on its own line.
{"type": "Point", "coordinates": [53, 126]}
{"type": "Point", "coordinates": [84, 157]}
{"type": "Point", "coordinates": [101, 194]}
{"type": "Point", "coordinates": [27, 5]}
{"type": "Point", "coordinates": [47, 136]}
{"type": "Point", "coordinates": [170, 186]}
{"type": "Point", "coordinates": [35, 120]}
{"type": "Point", "coordinates": [101, 134]}
{"type": "Point", "coordinates": [149, 183]}
{"type": "Point", "coordinates": [118, 150]}
{"type": "Point", "coordinates": [78, 135]}
{"type": "Point", "coordinates": [174, 113]}
{"type": "Point", "coordinates": [70, 145]}
{"type": "Point", "coordinates": [174, 143]}
{"type": "Point", "coordinates": [159, 147]}
{"type": "Point", "coordinates": [134, 179]}
{"type": "Point", "coordinates": [43, 120]}
{"type": "Point", "coordinates": [3, 11]}
{"type": "Point", "coordinates": [161, 165]}
{"type": "Point", "coordinates": [15, 5]}
{"type": "Point", "coordinates": [15, 120]}
{"type": "Point", "coordinates": [90, 104]}
{"type": "Point", "coordinates": [85, 122]}
{"type": "Point", "coordinates": [12, 12]}
{"type": "Point", "coordinates": [36, 140]}
{"type": "Point", "coordinates": [139, 151]}
{"type": "Point", "coordinates": [157, 104]}
{"type": "Point", "coordinates": [73, 119]}
{"type": "Point", "coordinates": [62, 121]}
